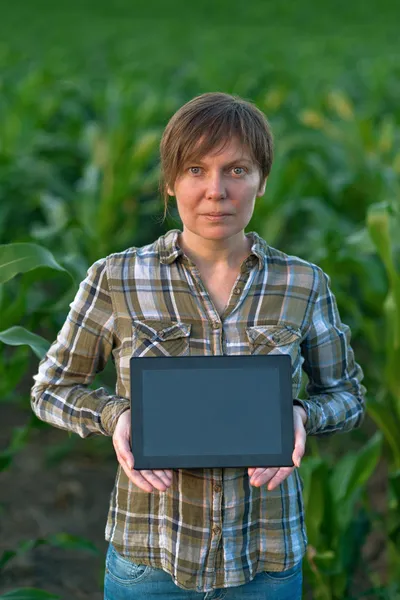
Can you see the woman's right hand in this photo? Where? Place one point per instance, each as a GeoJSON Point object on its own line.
{"type": "Point", "coordinates": [145, 479]}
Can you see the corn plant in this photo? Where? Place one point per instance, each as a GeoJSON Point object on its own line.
{"type": "Point", "coordinates": [78, 179]}
{"type": "Point", "coordinates": [384, 228]}
{"type": "Point", "coordinates": [59, 540]}
{"type": "Point", "coordinates": [336, 519]}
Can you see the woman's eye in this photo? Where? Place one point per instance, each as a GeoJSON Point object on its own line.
{"type": "Point", "coordinates": [194, 170]}
{"type": "Point", "coordinates": [238, 170]}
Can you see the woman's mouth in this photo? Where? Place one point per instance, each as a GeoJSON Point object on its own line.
{"type": "Point", "coordinates": [216, 216]}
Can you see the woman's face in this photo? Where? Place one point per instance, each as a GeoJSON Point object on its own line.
{"type": "Point", "coordinates": [216, 195]}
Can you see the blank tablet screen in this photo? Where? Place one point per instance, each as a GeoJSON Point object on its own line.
{"type": "Point", "coordinates": [227, 424]}
{"type": "Point", "coordinates": [211, 411]}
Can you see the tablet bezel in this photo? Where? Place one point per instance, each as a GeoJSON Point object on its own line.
{"type": "Point", "coordinates": [140, 364]}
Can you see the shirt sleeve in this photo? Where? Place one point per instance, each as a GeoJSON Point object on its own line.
{"type": "Point", "coordinates": [61, 394]}
{"type": "Point", "coordinates": [336, 398]}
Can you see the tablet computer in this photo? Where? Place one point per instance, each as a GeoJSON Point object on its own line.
{"type": "Point", "coordinates": [211, 411]}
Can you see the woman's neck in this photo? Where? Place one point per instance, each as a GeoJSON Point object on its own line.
{"type": "Point", "coordinates": [207, 253]}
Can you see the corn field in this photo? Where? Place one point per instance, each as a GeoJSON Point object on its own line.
{"type": "Point", "coordinates": [85, 96]}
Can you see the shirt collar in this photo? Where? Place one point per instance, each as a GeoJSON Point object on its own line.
{"type": "Point", "coordinates": [169, 249]}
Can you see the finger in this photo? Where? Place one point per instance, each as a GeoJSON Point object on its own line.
{"type": "Point", "coordinates": [135, 477]}
{"type": "Point", "coordinates": [262, 476]}
{"type": "Point", "coordinates": [258, 471]}
{"type": "Point", "coordinates": [154, 479]}
{"type": "Point", "coordinates": [299, 445]}
{"type": "Point", "coordinates": [250, 471]}
{"type": "Point", "coordinates": [127, 458]}
{"type": "Point", "coordinates": [282, 474]}
{"type": "Point", "coordinates": [163, 476]}
{"type": "Point", "coordinates": [123, 450]}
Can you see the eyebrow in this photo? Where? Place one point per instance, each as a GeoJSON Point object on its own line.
{"type": "Point", "coordinates": [229, 164]}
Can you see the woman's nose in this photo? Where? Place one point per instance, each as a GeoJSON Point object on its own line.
{"type": "Point", "coordinates": [216, 187]}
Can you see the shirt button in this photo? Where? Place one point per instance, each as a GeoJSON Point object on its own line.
{"type": "Point", "coordinates": [237, 291]}
{"type": "Point", "coordinates": [217, 488]}
{"type": "Point", "coordinates": [215, 325]}
{"type": "Point", "coordinates": [216, 529]}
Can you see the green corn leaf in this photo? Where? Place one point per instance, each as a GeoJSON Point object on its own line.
{"type": "Point", "coordinates": [384, 418]}
{"type": "Point", "coordinates": [316, 501]}
{"type": "Point", "coordinates": [28, 594]}
{"type": "Point", "coordinates": [5, 461]}
{"type": "Point", "coordinates": [19, 437]}
{"type": "Point", "coordinates": [22, 547]}
{"type": "Point", "coordinates": [18, 441]}
{"type": "Point", "coordinates": [354, 469]}
{"type": "Point", "coordinates": [394, 481]}
{"type": "Point", "coordinates": [308, 465]}
{"type": "Point", "coordinates": [326, 555]}
{"type": "Point", "coordinates": [19, 336]}
{"type": "Point", "coordinates": [55, 210]}
{"type": "Point", "coordinates": [378, 223]}
{"type": "Point", "coordinates": [72, 542]}
{"type": "Point", "coordinates": [145, 147]}
{"type": "Point", "coordinates": [59, 540]}
{"type": "Point", "coordinates": [21, 258]}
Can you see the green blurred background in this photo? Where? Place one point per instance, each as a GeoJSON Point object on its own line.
{"type": "Point", "coordinates": [85, 92]}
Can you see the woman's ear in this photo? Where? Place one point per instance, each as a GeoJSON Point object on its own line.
{"type": "Point", "coordinates": [261, 190]}
{"type": "Point", "coordinates": [170, 191]}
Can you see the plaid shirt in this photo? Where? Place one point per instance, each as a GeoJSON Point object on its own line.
{"type": "Point", "coordinates": [211, 528]}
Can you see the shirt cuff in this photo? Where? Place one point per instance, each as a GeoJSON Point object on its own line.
{"type": "Point", "coordinates": [111, 413]}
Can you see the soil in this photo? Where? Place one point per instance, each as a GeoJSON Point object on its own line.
{"type": "Point", "coordinates": [39, 498]}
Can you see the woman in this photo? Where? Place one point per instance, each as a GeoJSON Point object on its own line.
{"type": "Point", "coordinates": [209, 289]}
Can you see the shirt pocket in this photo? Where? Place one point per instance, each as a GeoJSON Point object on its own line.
{"type": "Point", "coordinates": [160, 338]}
{"type": "Point", "coordinates": [274, 339]}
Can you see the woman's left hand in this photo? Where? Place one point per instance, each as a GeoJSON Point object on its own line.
{"type": "Point", "coordinates": [274, 476]}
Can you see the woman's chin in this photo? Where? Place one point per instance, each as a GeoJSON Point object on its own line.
{"type": "Point", "coordinates": [218, 233]}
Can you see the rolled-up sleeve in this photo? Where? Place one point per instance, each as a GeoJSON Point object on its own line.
{"type": "Point", "coordinates": [336, 397]}
{"type": "Point", "coordinates": [61, 395]}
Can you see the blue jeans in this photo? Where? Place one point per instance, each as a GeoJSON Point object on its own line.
{"type": "Point", "coordinates": [126, 580]}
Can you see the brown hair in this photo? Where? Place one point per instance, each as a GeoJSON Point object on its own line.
{"type": "Point", "coordinates": [222, 116]}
